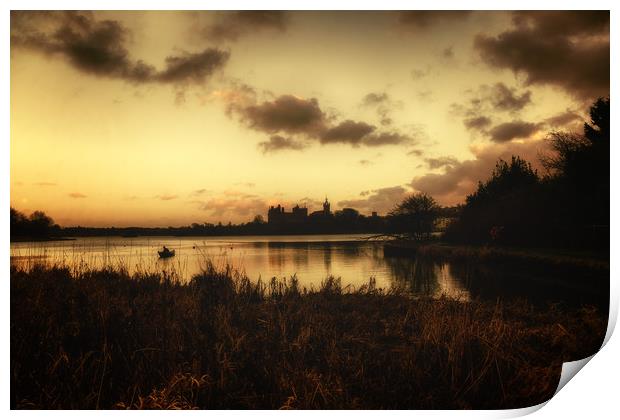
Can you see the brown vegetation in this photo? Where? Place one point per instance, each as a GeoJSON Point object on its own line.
{"type": "Point", "coordinates": [104, 339]}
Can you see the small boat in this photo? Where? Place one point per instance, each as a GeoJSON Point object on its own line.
{"type": "Point", "coordinates": [166, 253]}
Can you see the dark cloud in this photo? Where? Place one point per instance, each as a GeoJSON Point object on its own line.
{"type": "Point", "coordinates": [563, 23]}
{"type": "Point", "coordinates": [460, 179]}
{"type": "Point", "coordinates": [277, 143]}
{"type": "Point", "coordinates": [568, 49]}
{"type": "Point", "coordinates": [563, 119]}
{"type": "Point", "coordinates": [288, 118]}
{"type": "Point", "coordinates": [233, 25]}
{"type": "Point", "coordinates": [348, 131]}
{"type": "Point", "coordinates": [512, 130]}
{"type": "Point", "coordinates": [193, 67]}
{"type": "Point", "coordinates": [286, 113]}
{"type": "Point", "coordinates": [386, 138]}
{"type": "Point", "coordinates": [373, 98]}
{"type": "Point", "coordinates": [441, 162]}
{"type": "Point", "coordinates": [98, 47]}
{"type": "Point", "coordinates": [504, 98]}
{"type": "Point", "coordinates": [76, 195]}
{"type": "Point", "coordinates": [477, 123]}
{"type": "Point", "coordinates": [381, 200]}
{"type": "Point", "coordinates": [423, 19]}
{"type": "Point", "coordinates": [487, 100]}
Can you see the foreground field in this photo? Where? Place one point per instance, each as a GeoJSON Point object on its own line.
{"type": "Point", "coordinates": [104, 339]}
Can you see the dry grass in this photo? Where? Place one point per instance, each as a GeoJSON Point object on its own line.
{"type": "Point", "coordinates": [104, 339]}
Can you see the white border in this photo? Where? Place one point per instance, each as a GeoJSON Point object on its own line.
{"type": "Point", "coordinates": [594, 393]}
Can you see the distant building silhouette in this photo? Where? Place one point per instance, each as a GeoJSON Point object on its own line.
{"type": "Point", "coordinates": [278, 216]}
{"type": "Point", "coordinates": [321, 220]}
{"type": "Point", "coordinates": [324, 214]}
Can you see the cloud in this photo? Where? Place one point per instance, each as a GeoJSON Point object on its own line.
{"type": "Point", "coordinates": [76, 195]}
{"type": "Point", "coordinates": [234, 209]}
{"type": "Point", "coordinates": [425, 19]}
{"type": "Point", "coordinates": [512, 130]}
{"type": "Point", "coordinates": [98, 47]}
{"type": "Point", "coordinates": [277, 143]}
{"type": "Point", "coordinates": [460, 179]}
{"type": "Point", "coordinates": [506, 99]}
{"type": "Point", "coordinates": [192, 67]}
{"type": "Point", "coordinates": [348, 131]}
{"type": "Point", "coordinates": [384, 106]}
{"type": "Point", "coordinates": [487, 100]}
{"type": "Point", "coordinates": [490, 99]}
{"type": "Point", "coordinates": [415, 152]}
{"type": "Point", "coordinates": [386, 138]}
{"type": "Point", "coordinates": [365, 162]}
{"type": "Point", "coordinates": [295, 122]}
{"type": "Point", "coordinates": [167, 197]}
{"type": "Point", "coordinates": [381, 200]}
{"type": "Point", "coordinates": [45, 184]}
{"type": "Point", "coordinates": [286, 113]}
{"type": "Point", "coordinates": [233, 25]}
{"type": "Point", "coordinates": [564, 119]}
{"type": "Point", "coordinates": [373, 99]}
{"type": "Point", "coordinates": [567, 49]}
{"type": "Point", "coordinates": [441, 162]}
{"type": "Point", "coordinates": [477, 123]}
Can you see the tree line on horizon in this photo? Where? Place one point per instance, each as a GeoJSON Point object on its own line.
{"type": "Point", "coordinates": [568, 206]}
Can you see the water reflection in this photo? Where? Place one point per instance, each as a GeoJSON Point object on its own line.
{"type": "Point", "coordinates": [312, 259]}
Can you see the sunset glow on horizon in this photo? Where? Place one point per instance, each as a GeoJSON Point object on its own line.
{"type": "Point", "coordinates": [168, 118]}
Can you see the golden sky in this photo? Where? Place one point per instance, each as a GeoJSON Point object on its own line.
{"type": "Point", "coordinates": [168, 118]}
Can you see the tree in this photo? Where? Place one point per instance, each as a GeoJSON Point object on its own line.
{"type": "Point", "coordinates": [37, 225]}
{"type": "Point", "coordinates": [415, 217]}
{"type": "Point", "coordinates": [578, 167]}
{"type": "Point", "coordinates": [501, 210]}
{"type": "Point", "coordinates": [19, 222]}
{"type": "Point", "coordinates": [505, 179]}
{"type": "Point", "coordinates": [582, 157]}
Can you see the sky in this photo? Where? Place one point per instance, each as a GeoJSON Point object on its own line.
{"type": "Point", "coordinates": [167, 118]}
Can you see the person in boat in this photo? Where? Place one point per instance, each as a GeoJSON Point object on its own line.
{"type": "Point", "coordinates": [166, 250]}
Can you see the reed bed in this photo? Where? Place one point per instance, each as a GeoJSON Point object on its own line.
{"type": "Point", "coordinates": [101, 339]}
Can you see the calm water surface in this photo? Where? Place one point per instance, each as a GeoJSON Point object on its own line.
{"type": "Point", "coordinates": [312, 258]}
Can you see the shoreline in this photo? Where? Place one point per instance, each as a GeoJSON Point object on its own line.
{"type": "Point", "coordinates": [47, 239]}
{"type": "Point", "coordinates": [533, 258]}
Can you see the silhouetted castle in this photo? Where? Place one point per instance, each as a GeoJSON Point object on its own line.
{"type": "Point", "coordinates": [278, 216]}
